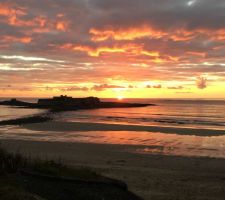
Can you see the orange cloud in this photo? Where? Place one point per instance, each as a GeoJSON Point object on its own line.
{"type": "Point", "coordinates": [62, 26]}
{"type": "Point", "coordinates": [132, 33]}
{"type": "Point", "coordinates": [11, 12]}
{"type": "Point", "coordinates": [6, 9]}
{"type": "Point", "coordinates": [124, 34]}
{"type": "Point", "coordinates": [15, 21]}
{"type": "Point", "coordinates": [200, 54]}
{"type": "Point", "coordinates": [182, 35]}
{"type": "Point", "coordinates": [150, 53]}
{"type": "Point", "coordinates": [24, 39]}
{"type": "Point", "coordinates": [129, 49]}
{"type": "Point", "coordinates": [96, 52]}
{"type": "Point", "coordinates": [219, 34]}
{"type": "Point", "coordinates": [39, 24]}
{"type": "Point", "coordinates": [185, 35]}
{"type": "Point", "coordinates": [41, 21]}
{"type": "Point", "coordinates": [173, 58]}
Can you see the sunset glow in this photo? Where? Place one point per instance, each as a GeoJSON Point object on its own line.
{"type": "Point", "coordinates": [97, 48]}
{"type": "Point", "coordinates": [120, 98]}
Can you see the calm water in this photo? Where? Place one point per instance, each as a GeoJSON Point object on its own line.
{"type": "Point", "coordinates": [7, 112]}
{"type": "Point", "coordinates": [182, 113]}
{"type": "Point", "coordinates": [197, 114]}
{"type": "Point", "coordinates": [12, 113]}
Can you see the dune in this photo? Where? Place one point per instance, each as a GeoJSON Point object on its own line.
{"type": "Point", "coordinates": [149, 176]}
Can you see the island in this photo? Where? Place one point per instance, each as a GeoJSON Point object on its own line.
{"type": "Point", "coordinates": [60, 104]}
{"type": "Point", "coordinates": [66, 103]}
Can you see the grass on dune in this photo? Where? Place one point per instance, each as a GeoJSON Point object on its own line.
{"type": "Point", "coordinates": [35, 179]}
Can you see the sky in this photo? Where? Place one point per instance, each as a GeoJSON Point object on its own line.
{"type": "Point", "coordinates": [112, 48]}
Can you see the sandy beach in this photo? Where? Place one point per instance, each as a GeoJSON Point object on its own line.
{"type": "Point", "coordinates": [150, 176]}
{"type": "Point", "coordinates": [156, 162]}
{"type": "Point", "coordinates": [87, 126]}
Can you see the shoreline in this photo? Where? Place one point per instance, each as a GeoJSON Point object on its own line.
{"type": "Point", "coordinates": [149, 176]}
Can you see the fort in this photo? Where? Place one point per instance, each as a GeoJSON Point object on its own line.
{"type": "Point", "coordinates": [69, 101]}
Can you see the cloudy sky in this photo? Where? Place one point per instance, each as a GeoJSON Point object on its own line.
{"type": "Point", "coordinates": [111, 48]}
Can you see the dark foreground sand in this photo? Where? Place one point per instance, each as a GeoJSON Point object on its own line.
{"type": "Point", "coordinates": [150, 176]}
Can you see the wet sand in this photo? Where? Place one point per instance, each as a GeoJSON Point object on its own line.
{"type": "Point", "coordinates": [157, 177]}
{"type": "Point", "coordinates": [86, 126]}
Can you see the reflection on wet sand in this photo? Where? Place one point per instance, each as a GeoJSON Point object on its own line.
{"type": "Point", "coordinates": [138, 142]}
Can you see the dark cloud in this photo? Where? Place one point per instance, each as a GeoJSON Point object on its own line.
{"type": "Point", "coordinates": [175, 87]}
{"type": "Point", "coordinates": [201, 82]}
{"type": "Point", "coordinates": [74, 88]}
{"type": "Point", "coordinates": [157, 86]}
{"type": "Point", "coordinates": [105, 86]}
{"type": "Point", "coordinates": [184, 92]}
{"type": "Point", "coordinates": [161, 14]}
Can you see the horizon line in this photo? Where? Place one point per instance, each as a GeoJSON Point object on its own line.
{"type": "Point", "coordinates": [197, 98]}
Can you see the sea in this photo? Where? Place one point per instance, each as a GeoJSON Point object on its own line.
{"type": "Point", "coordinates": [177, 113]}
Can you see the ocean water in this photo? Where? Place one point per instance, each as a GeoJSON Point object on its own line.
{"type": "Point", "coordinates": [7, 112]}
{"type": "Point", "coordinates": [209, 114]}
{"type": "Point", "coordinates": [195, 114]}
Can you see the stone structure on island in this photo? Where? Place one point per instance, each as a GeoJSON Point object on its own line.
{"type": "Point", "coordinates": [67, 101]}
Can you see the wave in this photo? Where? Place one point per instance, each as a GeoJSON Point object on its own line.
{"type": "Point", "coordinates": [172, 121]}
